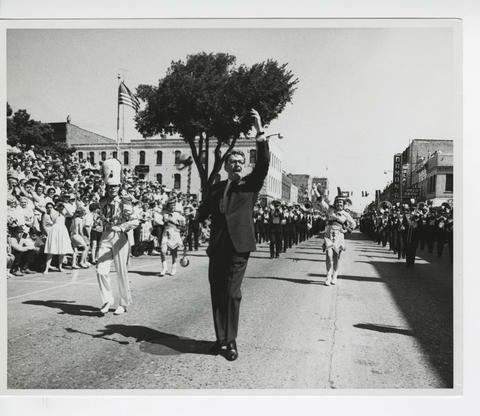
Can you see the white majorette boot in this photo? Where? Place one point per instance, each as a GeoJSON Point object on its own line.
{"type": "Point", "coordinates": [164, 268]}
{"type": "Point", "coordinates": [328, 282]}
{"type": "Point", "coordinates": [174, 269]}
{"type": "Point", "coordinates": [120, 310]}
{"type": "Point", "coordinates": [334, 278]}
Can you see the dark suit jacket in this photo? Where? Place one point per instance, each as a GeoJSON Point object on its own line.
{"type": "Point", "coordinates": [238, 218]}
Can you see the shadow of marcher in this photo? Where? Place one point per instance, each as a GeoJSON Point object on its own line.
{"type": "Point", "coordinates": [68, 307]}
{"type": "Point", "coordinates": [151, 340]}
{"type": "Point", "coordinates": [286, 279]}
{"type": "Point", "coordinates": [346, 277]}
{"type": "Point", "coordinates": [385, 328]}
{"type": "Point", "coordinates": [143, 273]}
{"type": "Point", "coordinates": [303, 259]}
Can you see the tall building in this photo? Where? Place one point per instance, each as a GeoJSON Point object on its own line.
{"type": "Point", "coordinates": [304, 184]}
{"type": "Point", "coordinates": [424, 171]}
{"type": "Point", "coordinates": [289, 190]}
{"type": "Point", "coordinates": [420, 150]}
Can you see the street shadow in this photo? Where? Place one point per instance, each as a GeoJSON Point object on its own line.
{"type": "Point", "coordinates": [370, 250]}
{"type": "Point", "coordinates": [67, 307]}
{"type": "Point", "coordinates": [143, 273]}
{"type": "Point", "coordinates": [303, 259]}
{"type": "Point", "coordinates": [343, 277]}
{"type": "Point", "coordinates": [424, 295]}
{"type": "Point", "coordinates": [376, 256]}
{"type": "Point", "coordinates": [319, 248]}
{"type": "Point", "coordinates": [313, 252]}
{"type": "Point", "coordinates": [260, 257]}
{"type": "Point", "coordinates": [285, 279]}
{"type": "Point", "coordinates": [385, 329]}
{"type": "Point", "coordinates": [151, 341]}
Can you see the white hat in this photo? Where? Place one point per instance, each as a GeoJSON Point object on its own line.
{"type": "Point", "coordinates": [112, 169]}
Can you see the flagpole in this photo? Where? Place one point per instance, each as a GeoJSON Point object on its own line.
{"type": "Point", "coordinates": [123, 124]}
{"type": "Point", "coordinates": [118, 115]}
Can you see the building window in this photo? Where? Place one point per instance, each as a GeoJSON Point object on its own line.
{"type": "Point", "coordinates": [115, 154]}
{"type": "Point", "coordinates": [104, 155]}
{"type": "Point", "coordinates": [142, 158]}
{"type": "Point", "coordinates": [177, 156]}
{"type": "Point", "coordinates": [125, 158]}
{"type": "Point", "coordinates": [253, 156]}
{"type": "Point", "coordinates": [92, 157]}
{"type": "Point", "coordinates": [449, 182]}
{"type": "Point", "coordinates": [80, 155]}
{"type": "Point", "coordinates": [177, 181]}
{"type": "Point", "coordinates": [159, 157]}
{"type": "Point", "coordinates": [432, 182]}
{"type": "Point", "coordinates": [159, 178]}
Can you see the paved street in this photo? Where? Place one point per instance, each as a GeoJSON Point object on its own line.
{"type": "Point", "coordinates": [382, 326]}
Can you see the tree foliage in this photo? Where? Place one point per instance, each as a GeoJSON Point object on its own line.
{"type": "Point", "coordinates": [21, 129]}
{"type": "Point", "coordinates": [208, 97]}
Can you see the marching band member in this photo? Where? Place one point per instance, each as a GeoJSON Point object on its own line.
{"type": "Point", "coordinates": [339, 222]}
{"type": "Point", "coordinates": [118, 219]}
{"type": "Point", "coordinates": [275, 226]}
{"type": "Point", "coordinates": [411, 219]}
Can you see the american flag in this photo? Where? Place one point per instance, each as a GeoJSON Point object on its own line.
{"type": "Point", "coordinates": [126, 97]}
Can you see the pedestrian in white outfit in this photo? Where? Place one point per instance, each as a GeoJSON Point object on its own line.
{"type": "Point", "coordinates": [118, 219]}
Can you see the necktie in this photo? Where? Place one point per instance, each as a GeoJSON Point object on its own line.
{"type": "Point", "coordinates": [223, 201]}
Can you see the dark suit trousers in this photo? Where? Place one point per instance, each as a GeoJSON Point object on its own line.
{"type": "Point", "coordinates": [225, 274]}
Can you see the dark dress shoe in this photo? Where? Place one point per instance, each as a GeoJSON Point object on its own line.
{"type": "Point", "coordinates": [216, 348]}
{"type": "Point", "coordinates": [231, 354]}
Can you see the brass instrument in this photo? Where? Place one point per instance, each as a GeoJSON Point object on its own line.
{"type": "Point", "coordinates": [386, 205]}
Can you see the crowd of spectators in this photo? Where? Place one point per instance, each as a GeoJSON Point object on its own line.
{"type": "Point", "coordinates": [53, 211]}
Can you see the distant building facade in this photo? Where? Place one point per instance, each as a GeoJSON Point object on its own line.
{"type": "Point", "coordinates": [304, 184]}
{"type": "Point", "coordinates": [423, 171]}
{"type": "Point", "coordinates": [156, 159]}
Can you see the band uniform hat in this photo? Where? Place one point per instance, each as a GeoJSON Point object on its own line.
{"type": "Point", "coordinates": [112, 169]}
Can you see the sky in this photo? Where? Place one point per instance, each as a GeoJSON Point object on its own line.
{"type": "Point", "coordinates": [363, 93]}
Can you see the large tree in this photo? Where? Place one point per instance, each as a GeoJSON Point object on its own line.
{"type": "Point", "coordinates": [22, 129]}
{"type": "Point", "coordinates": [209, 98]}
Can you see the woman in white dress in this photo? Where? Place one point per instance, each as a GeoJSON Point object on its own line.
{"type": "Point", "coordinates": [58, 240]}
{"type": "Point", "coordinates": [339, 222]}
{"type": "Point", "coordinates": [171, 239]}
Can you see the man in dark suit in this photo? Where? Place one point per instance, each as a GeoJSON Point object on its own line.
{"type": "Point", "coordinates": [232, 237]}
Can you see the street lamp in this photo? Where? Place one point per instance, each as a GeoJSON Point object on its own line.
{"type": "Point", "coordinates": [275, 134]}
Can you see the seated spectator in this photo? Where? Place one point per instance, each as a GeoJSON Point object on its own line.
{"type": "Point", "coordinates": [23, 249]}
